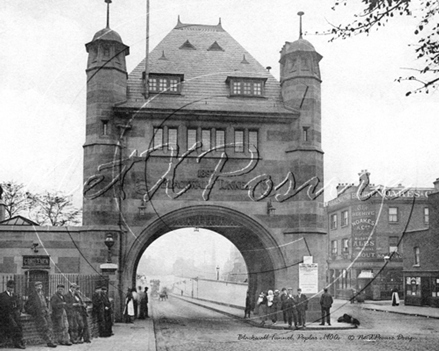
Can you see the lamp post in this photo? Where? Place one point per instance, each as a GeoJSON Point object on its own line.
{"type": "Point", "coordinates": [109, 242]}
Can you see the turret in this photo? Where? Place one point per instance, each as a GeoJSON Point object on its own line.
{"type": "Point", "coordinates": [106, 86]}
{"type": "Point", "coordinates": [300, 80]}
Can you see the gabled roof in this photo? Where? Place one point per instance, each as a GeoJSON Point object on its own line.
{"type": "Point", "coordinates": [18, 220]}
{"type": "Point", "coordinates": [205, 73]}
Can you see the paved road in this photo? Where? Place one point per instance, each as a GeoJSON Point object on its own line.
{"type": "Point", "coordinates": [181, 326]}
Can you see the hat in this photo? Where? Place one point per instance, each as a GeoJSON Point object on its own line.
{"type": "Point", "coordinates": [60, 286]}
{"type": "Point", "coordinates": [38, 283]}
{"type": "Point", "coordinates": [10, 284]}
{"type": "Point", "coordinates": [103, 288]}
{"type": "Point", "coordinates": [73, 285]}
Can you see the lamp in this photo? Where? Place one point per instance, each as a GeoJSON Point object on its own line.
{"type": "Point", "coordinates": [109, 242]}
{"type": "Point", "coordinates": [34, 247]}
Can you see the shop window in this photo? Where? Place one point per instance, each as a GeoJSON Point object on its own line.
{"type": "Point", "coordinates": [413, 286]}
{"type": "Point", "coordinates": [434, 284]}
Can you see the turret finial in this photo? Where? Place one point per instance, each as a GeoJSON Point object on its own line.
{"type": "Point", "coordinates": [108, 12]}
{"type": "Point", "coordinates": [300, 14]}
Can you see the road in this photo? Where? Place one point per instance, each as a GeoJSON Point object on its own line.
{"type": "Point", "coordinates": [181, 326]}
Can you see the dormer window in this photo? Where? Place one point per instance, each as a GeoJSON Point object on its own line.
{"type": "Point", "coordinates": [249, 87]}
{"type": "Point", "coordinates": [165, 83]}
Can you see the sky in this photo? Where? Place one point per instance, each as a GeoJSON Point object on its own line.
{"type": "Point", "coordinates": [367, 122]}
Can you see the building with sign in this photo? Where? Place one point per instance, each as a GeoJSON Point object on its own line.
{"type": "Point", "coordinates": [198, 135]}
{"type": "Point", "coordinates": [366, 224]}
{"type": "Point", "coordinates": [420, 263]}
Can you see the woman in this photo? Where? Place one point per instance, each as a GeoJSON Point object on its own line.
{"type": "Point", "coordinates": [262, 307]}
{"type": "Point", "coordinates": [271, 306]}
{"type": "Point", "coordinates": [129, 311]}
{"type": "Point", "coordinates": [395, 297]}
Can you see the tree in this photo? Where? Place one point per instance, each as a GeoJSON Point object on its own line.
{"type": "Point", "coordinates": [55, 209]}
{"type": "Point", "coordinates": [377, 13]}
{"type": "Point", "coordinates": [15, 198]}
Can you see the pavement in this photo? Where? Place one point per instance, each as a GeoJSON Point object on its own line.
{"type": "Point", "coordinates": [255, 320]}
{"type": "Point", "coordinates": [386, 306]}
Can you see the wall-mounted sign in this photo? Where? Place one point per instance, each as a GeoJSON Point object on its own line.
{"type": "Point", "coordinates": [363, 220]}
{"type": "Point", "coordinates": [308, 278]}
{"type": "Point", "coordinates": [36, 262]}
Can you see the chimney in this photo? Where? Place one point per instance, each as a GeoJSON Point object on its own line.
{"type": "Point", "coordinates": [436, 184]}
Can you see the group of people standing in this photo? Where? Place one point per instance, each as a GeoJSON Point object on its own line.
{"type": "Point", "coordinates": [62, 320]}
{"type": "Point", "coordinates": [136, 304]}
{"type": "Point", "coordinates": [284, 305]}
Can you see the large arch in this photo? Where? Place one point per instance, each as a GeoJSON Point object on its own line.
{"type": "Point", "coordinates": [260, 250]}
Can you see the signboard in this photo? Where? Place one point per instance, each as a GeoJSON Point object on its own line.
{"type": "Point", "coordinates": [363, 220]}
{"type": "Point", "coordinates": [308, 278]}
{"type": "Point", "coordinates": [36, 262]}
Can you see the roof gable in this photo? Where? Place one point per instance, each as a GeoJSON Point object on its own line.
{"type": "Point", "coordinates": [216, 56]}
{"type": "Point", "coordinates": [18, 220]}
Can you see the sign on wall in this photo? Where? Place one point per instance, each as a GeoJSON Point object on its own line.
{"type": "Point", "coordinates": [308, 278]}
{"type": "Point", "coordinates": [36, 262]}
{"type": "Point", "coordinates": [363, 220]}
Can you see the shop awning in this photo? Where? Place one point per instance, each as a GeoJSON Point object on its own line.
{"type": "Point", "coordinates": [366, 275]}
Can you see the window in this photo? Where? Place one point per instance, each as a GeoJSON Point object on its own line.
{"type": "Point", "coordinates": [344, 218]}
{"type": "Point", "coordinates": [253, 138]}
{"type": "Point", "coordinates": [219, 137]}
{"type": "Point", "coordinates": [305, 133]}
{"type": "Point", "coordinates": [393, 241]}
{"type": "Point", "coordinates": [206, 139]}
{"type": "Point", "coordinates": [393, 215]}
{"type": "Point", "coordinates": [191, 137]}
{"type": "Point", "coordinates": [238, 141]}
{"type": "Point", "coordinates": [245, 86]}
{"type": "Point", "coordinates": [172, 138]}
{"type": "Point", "coordinates": [333, 221]}
{"type": "Point", "coordinates": [104, 127]}
{"type": "Point", "coordinates": [413, 286]}
{"type": "Point", "coordinates": [345, 245]}
{"type": "Point", "coordinates": [426, 215]}
{"type": "Point", "coordinates": [165, 84]}
{"type": "Point", "coordinates": [157, 136]}
{"type": "Point", "coordinates": [416, 256]}
{"type": "Point", "coordinates": [334, 247]}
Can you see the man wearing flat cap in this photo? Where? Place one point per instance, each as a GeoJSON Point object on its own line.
{"type": "Point", "coordinates": [10, 310]}
{"type": "Point", "coordinates": [59, 316]}
{"type": "Point", "coordinates": [103, 312]}
{"type": "Point", "coordinates": [72, 309]}
{"type": "Point", "coordinates": [37, 306]}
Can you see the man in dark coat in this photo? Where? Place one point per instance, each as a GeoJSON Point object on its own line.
{"type": "Point", "coordinates": [38, 308]}
{"type": "Point", "coordinates": [301, 307]}
{"type": "Point", "coordinates": [72, 304]}
{"type": "Point", "coordinates": [326, 302]}
{"type": "Point", "coordinates": [10, 310]}
{"type": "Point", "coordinates": [59, 316]}
{"type": "Point", "coordinates": [83, 324]}
{"type": "Point", "coordinates": [144, 303]}
{"type": "Point", "coordinates": [283, 298]}
{"type": "Point", "coordinates": [290, 309]}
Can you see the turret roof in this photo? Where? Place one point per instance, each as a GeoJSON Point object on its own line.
{"type": "Point", "coordinates": [107, 34]}
{"type": "Point", "coordinates": [206, 55]}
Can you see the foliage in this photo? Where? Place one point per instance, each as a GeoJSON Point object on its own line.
{"type": "Point", "coordinates": [15, 198]}
{"type": "Point", "coordinates": [55, 209]}
{"type": "Point", "coordinates": [377, 13]}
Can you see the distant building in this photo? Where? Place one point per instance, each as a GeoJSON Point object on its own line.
{"type": "Point", "coordinates": [420, 262]}
{"type": "Point", "coordinates": [365, 225]}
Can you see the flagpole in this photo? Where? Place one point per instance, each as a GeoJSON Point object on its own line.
{"type": "Point", "coordinates": [147, 49]}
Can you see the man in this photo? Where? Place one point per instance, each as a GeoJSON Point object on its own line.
{"type": "Point", "coordinates": [290, 309]}
{"type": "Point", "coordinates": [326, 302]}
{"type": "Point", "coordinates": [102, 310]}
{"type": "Point", "coordinates": [141, 296]}
{"type": "Point", "coordinates": [72, 305]}
{"type": "Point", "coordinates": [301, 307]}
{"type": "Point", "coordinates": [37, 307]}
{"type": "Point", "coordinates": [83, 324]}
{"type": "Point", "coordinates": [144, 303]}
{"type": "Point", "coordinates": [59, 316]}
{"type": "Point", "coordinates": [10, 310]}
{"type": "Point", "coordinates": [283, 299]}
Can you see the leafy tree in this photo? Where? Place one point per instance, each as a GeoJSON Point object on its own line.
{"type": "Point", "coordinates": [55, 209]}
{"type": "Point", "coordinates": [377, 13]}
{"type": "Point", "coordinates": [15, 198]}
